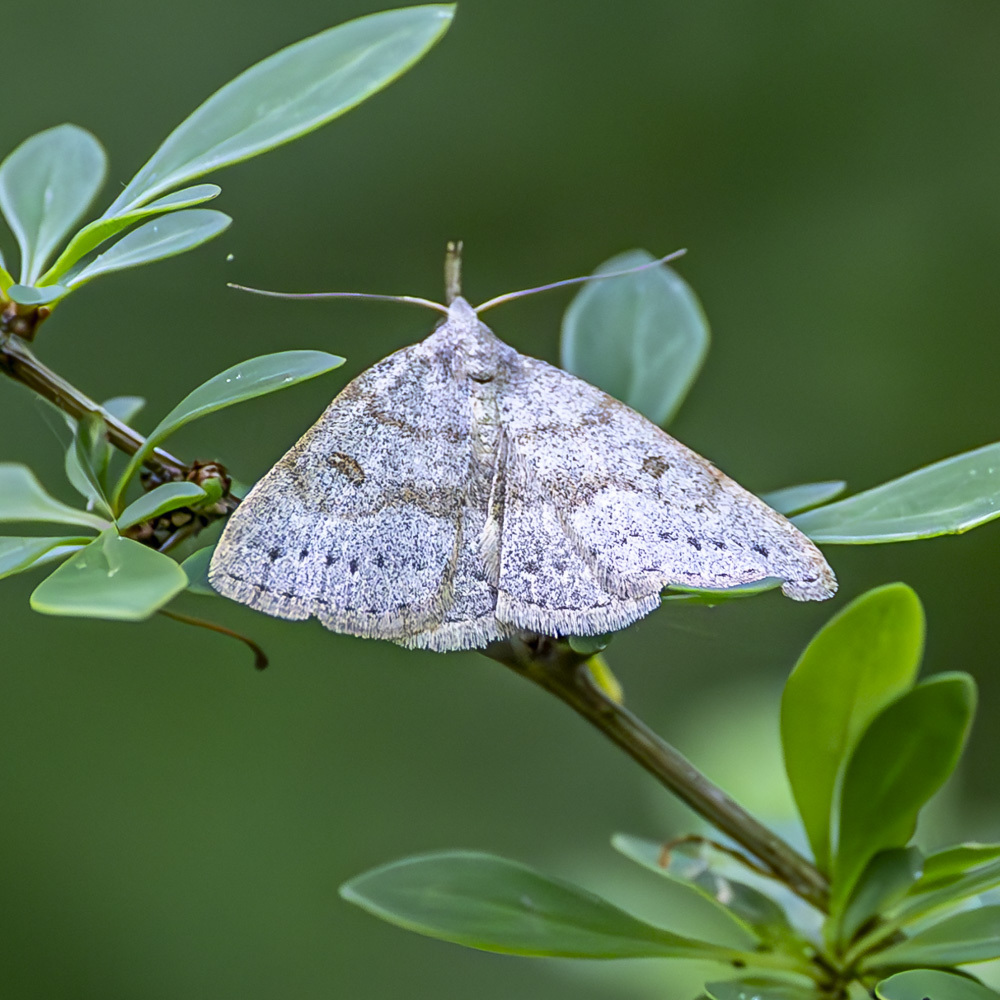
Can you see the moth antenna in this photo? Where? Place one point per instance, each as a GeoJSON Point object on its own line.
{"type": "Point", "coordinates": [509, 296]}
{"type": "Point", "coordinates": [452, 271]}
{"type": "Point", "coordinates": [411, 300]}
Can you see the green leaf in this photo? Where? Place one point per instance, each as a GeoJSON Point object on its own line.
{"type": "Point", "coordinates": [113, 577]}
{"type": "Point", "coordinates": [96, 232]}
{"type": "Point", "coordinates": [255, 377]}
{"type": "Point", "coordinates": [903, 758]}
{"type": "Point", "coordinates": [756, 988]}
{"type": "Point", "coordinates": [123, 408]}
{"type": "Point", "coordinates": [969, 936]}
{"type": "Point", "coordinates": [884, 882]}
{"type": "Point", "coordinates": [20, 554]}
{"type": "Point", "coordinates": [196, 568]}
{"type": "Point", "coordinates": [972, 883]}
{"type": "Point", "coordinates": [932, 984]}
{"type": "Point", "coordinates": [162, 237]}
{"type": "Point", "coordinates": [487, 902]}
{"type": "Point", "coordinates": [943, 868]}
{"type": "Point", "coordinates": [641, 337]}
{"type": "Point", "coordinates": [158, 501]}
{"type": "Point", "coordinates": [712, 598]}
{"type": "Point", "coordinates": [23, 499]}
{"type": "Point", "coordinates": [86, 455]}
{"type": "Point", "coordinates": [946, 498]}
{"type": "Point", "coordinates": [795, 499]}
{"type": "Point", "coordinates": [46, 183]}
{"type": "Point", "coordinates": [862, 659]}
{"type": "Point", "coordinates": [755, 914]}
{"type": "Point", "coordinates": [289, 94]}
{"type": "Point", "coordinates": [29, 295]}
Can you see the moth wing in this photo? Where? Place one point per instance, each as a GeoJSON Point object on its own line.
{"type": "Point", "coordinates": [643, 510]}
{"type": "Point", "coordinates": [359, 523]}
{"type": "Point", "coordinates": [545, 584]}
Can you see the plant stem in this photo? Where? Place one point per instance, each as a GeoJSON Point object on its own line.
{"type": "Point", "coordinates": [559, 670]}
{"type": "Point", "coordinates": [17, 361]}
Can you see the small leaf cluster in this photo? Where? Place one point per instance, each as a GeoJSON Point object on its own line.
{"type": "Point", "coordinates": [866, 746]}
{"type": "Point", "coordinates": [107, 574]}
{"type": "Point", "coordinates": [48, 182]}
{"type": "Point", "coordinates": [114, 564]}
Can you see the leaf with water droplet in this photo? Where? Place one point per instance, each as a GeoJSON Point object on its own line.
{"type": "Point", "coordinates": [256, 377]}
{"type": "Point", "coordinates": [113, 577]}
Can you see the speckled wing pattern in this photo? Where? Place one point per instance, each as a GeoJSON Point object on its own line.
{"type": "Point", "coordinates": [364, 522]}
{"type": "Point", "coordinates": [458, 491]}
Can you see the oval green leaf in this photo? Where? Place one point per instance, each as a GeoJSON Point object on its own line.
{"type": "Point", "coordinates": [902, 759]}
{"type": "Point", "coordinates": [756, 988]}
{"type": "Point", "coordinates": [712, 598]}
{"type": "Point", "coordinates": [23, 499]}
{"type": "Point", "coordinates": [289, 94]}
{"type": "Point", "coordinates": [46, 183]}
{"type": "Point", "coordinates": [943, 868]}
{"type": "Point", "coordinates": [862, 659]}
{"type": "Point", "coordinates": [96, 232]}
{"type": "Point", "coordinates": [86, 457]}
{"type": "Point", "coordinates": [970, 936]}
{"type": "Point", "coordinates": [885, 881]}
{"type": "Point", "coordinates": [640, 337]}
{"type": "Point", "coordinates": [30, 295]}
{"type": "Point", "coordinates": [196, 568]}
{"type": "Point", "coordinates": [796, 499]}
{"type": "Point", "coordinates": [166, 497]}
{"type": "Point", "coordinates": [113, 577]}
{"type": "Point", "coordinates": [256, 377]}
{"type": "Point", "coordinates": [163, 237]}
{"type": "Point", "coordinates": [973, 883]}
{"type": "Point", "coordinates": [486, 902]}
{"type": "Point", "coordinates": [947, 498]}
{"type": "Point", "coordinates": [757, 916]}
{"type": "Point", "coordinates": [932, 984]}
{"type": "Point", "coordinates": [20, 554]}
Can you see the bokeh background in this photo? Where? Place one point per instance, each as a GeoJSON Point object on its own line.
{"type": "Point", "coordinates": [175, 825]}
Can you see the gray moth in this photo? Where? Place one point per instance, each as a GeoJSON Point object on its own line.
{"type": "Point", "coordinates": [457, 492]}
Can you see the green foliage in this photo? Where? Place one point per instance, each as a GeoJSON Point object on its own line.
{"type": "Point", "coordinates": [946, 498]}
{"type": "Point", "coordinates": [255, 377]}
{"type": "Point", "coordinates": [112, 577]}
{"type": "Point", "coordinates": [46, 184]}
{"type": "Point", "coordinates": [866, 747]}
{"type": "Point", "coordinates": [487, 902]}
{"type": "Point", "coordinates": [864, 657]}
{"type": "Point", "coordinates": [641, 337]}
{"type": "Point", "coordinates": [932, 984]}
{"type": "Point", "coordinates": [48, 181]}
{"type": "Point", "coordinates": [796, 499]}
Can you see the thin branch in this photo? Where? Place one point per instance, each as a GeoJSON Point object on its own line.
{"type": "Point", "coordinates": [555, 667]}
{"type": "Point", "coordinates": [17, 361]}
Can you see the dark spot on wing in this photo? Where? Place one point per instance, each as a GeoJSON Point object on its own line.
{"type": "Point", "coordinates": [303, 553]}
{"type": "Point", "coordinates": [694, 541]}
{"type": "Point", "coordinates": [655, 465]}
{"type": "Point", "coordinates": [347, 466]}
{"type": "Point", "coordinates": [380, 560]}
{"type": "Point", "coordinates": [353, 565]}
{"type": "Point", "coordinates": [718, 545]}
{"type": "Point", "coordinates": [760, 549]}
{"type": "Point", "coordinates": [330, 560]}
{"type": "Point", "coordinates": [274, 554]}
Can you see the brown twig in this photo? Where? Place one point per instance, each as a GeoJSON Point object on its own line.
{"type": "Point", "coordinates": [559, 670]}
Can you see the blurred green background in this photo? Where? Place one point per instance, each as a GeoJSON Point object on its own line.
{"type": "Point", "coordinates": [176, 825]}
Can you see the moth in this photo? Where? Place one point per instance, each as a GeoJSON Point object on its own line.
{"type": "Point", "coordinates": [457, 492]}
